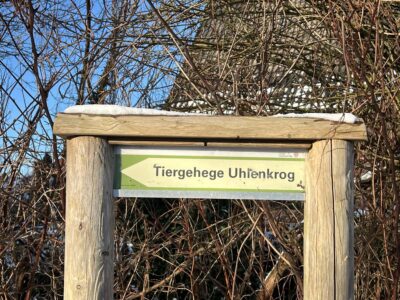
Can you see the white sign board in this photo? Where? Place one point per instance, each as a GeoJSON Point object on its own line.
{"type": "Point", "coordinates": [208, 172]}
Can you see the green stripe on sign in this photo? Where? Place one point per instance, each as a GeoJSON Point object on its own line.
{"type": "Point", "coordinates": [128, 187]}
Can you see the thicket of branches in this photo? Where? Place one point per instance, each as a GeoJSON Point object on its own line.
{"type": "Point", "coordinates": [242, 57]}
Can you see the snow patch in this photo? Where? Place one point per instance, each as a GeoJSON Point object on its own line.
{"type": "Point", "coordinates": [339, 117]}
{"type": "Point", "coordinates": [366, 177]}
{"type": "Point", "coordinates": [108, 109]}
{"type": "Point", "coordinates": [360, 212]}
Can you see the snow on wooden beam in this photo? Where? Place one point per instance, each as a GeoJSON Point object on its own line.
{"type": "Point", "coordinates": [198, 127]}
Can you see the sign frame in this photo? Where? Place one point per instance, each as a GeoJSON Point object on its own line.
{"type": "Point", "coordinates": [147, 177]}
{"type": "Point", "coordinates": [328, 219]}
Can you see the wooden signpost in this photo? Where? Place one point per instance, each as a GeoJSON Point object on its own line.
{"type": "Point", "coordinates": [209, 157]}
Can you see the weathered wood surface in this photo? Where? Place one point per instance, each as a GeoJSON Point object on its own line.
{"type": "Point", "coordinates": [89, 220]}
{"type": "Point", "coordinates": [207, 127]}
{"type": "Point", "coordinates": [328, 222]}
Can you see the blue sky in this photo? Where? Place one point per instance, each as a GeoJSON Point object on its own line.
{"type": "Point", "coordinates": [61, 50]}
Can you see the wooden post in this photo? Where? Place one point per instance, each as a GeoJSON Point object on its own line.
{"type": "Point", "coordinates": [328, 222]}
{"type": "Point", "coordinates": [328, 232]}
{"type": "Point", "coordinates": [89, 220]}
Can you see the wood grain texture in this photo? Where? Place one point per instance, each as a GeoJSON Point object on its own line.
{"type": "Point", "coordinates": [328, 221]}
{"type": "Point", "coordinates": [206, 127]}
{"type": "Point", "coordinates": [89, 220]}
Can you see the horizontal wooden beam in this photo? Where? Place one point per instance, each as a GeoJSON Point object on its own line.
{"type": "Point", "coordinates": [206, 128]}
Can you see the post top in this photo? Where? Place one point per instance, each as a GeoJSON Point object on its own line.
{"type": "Point", "coordinates": [206, 127]}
